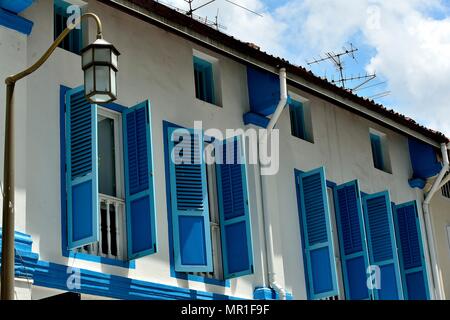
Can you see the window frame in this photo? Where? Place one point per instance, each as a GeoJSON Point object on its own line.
{"type": "Point", "coordinates": [65, 252]}
{"type": "Point", "coordinates": [212, 64]}
{"type": "Point", "coordinates": [384, 150]}
{"type": "Point", "coordinates": [118, 146]}
{"type": "Point", "coordinates": [173, 273]}
{"type": "Point", "coordinates": [307, 123]}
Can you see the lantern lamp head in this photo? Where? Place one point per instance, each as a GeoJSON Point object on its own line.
{"type": "Point", "coordinates": [99, 62]}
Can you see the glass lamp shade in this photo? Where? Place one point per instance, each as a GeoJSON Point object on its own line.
{"type": "Point", "coordinates": [99, 62]}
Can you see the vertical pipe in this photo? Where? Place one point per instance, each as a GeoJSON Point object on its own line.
{"type": "Point", "coordinates": [268, 228]}
{"type": "Point", "coordinates": [7, 272]}
{"type": "Point", "coordinates": [435, 272]}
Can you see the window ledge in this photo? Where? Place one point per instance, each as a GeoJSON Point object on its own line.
{"type": "Point", "coordinates": [211, 105]}
{"type": "Point", "coordinates": [101, 260]}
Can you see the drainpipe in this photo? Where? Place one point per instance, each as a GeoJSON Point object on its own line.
{"type": "Point", "coordinates": [268, 230]}
{"type": "Point", "coordinates": [428, 225]}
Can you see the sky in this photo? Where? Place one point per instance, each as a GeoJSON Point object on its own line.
{"type": "Point", "coordinates": [405, 42]}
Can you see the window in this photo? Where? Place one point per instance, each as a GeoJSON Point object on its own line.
{"type": "Point", "coordinates": [380, 154]}
{"type": "Point", "coordinates": [109, 197]}
{"type": "Point", "coordinates": [301, 126]}
{"type": "Point", "coordinates": [208, 213]}
{"type": "Point", "coordinates": [446, 190]}
{"type": "Point", "coordinates": [112, 237]}
{"type": "Point", "coordinates": [214, 218]}
{"type": "Point", "coordinates": [73, 41]}
{"type": "Point", "coordinates": [206, 78]}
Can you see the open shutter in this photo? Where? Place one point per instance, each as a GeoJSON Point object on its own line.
{"type": "Point", "coordinates": [139, 191]}
{"type": "Point", "coordinates": [233, 208]}
{"type": "Point", "coordinates": [412, 260]}
{"type": "Point", "coordinates": [382, 245]}
{"type": "Point", "coordinates": [352, 241]}
{"type": "Point", "coordinates": [81, 170]}
{"type": "Point", "coordinates": [316, 235]}
{"type": "Point", "coordinates": [189, 202]}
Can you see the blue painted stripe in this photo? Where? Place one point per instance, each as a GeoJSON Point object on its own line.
{"type": "Point", "coordinates": [15, 6]}
{"type": "Point", "coordinates": [52, 275]}
{"type": "Point", "coordinates": [15, 22]}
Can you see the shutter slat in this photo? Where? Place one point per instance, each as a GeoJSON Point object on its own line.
{"type": "Point", "coordinates": [382, 247]}
{"type": "Point", "coordinates": [315, 226]}
{"type": "Point", "coordinates": [81, 162]}
{"type": "Point", "coordinates": [411, 252]}
{"type": "Point", "coordinates": [233, 208]}
{"type": "Point", "coordinates": [352, 240]}
{"type": "Point", "coordinates": [139, 185]}
{"type": "Point", "coordinates": [189, 202]}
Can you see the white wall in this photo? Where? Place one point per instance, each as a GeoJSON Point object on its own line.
{"type": "Point", "coordinates": [157, 65]}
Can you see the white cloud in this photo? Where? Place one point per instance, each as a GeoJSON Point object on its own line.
{"type": "Point", "coordinates": [411, 48]}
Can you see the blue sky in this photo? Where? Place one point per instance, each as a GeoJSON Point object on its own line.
{"type": "Point", "coordinates": [406, 42]}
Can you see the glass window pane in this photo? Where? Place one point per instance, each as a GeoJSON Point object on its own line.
{"type": "Point", "coordinates": [106, 157]}
{"type": "Point", "coordinates": [377, 151]}
{"type": "Point", "coordinates": [102, 55]}
{"type": "Point", "coordinates": [102, 81]}
{"type": "Point", "coordinates": [89, 80]}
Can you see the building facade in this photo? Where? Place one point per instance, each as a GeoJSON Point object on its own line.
{"type": "Point", "coordinates": [103, 210]}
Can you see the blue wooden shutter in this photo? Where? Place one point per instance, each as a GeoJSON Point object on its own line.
{"type": "Point", "coordinates": [317, 239]}
{"type": "Point", "coordinates": [139, 187]}
{"type": "Point", "coordinates": [382, 245]}
{"type": "Point", "coordinates": [412, 260]}
{"type": "Point", "coordinates": [233, 208]}
{"type": "Point", "coordinates": [352, 241]}
{"type": "Point", "coordinates": [81, 170]}
{"type": "Point", "coordinates": [189, 203]}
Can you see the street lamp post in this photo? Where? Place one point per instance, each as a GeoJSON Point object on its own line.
{"type": "Point", "coordinates": [102, 89]}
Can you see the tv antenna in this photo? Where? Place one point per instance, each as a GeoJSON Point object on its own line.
{"type": "Point", "coordinates": [192, 9]}
{"type": "Point", "coordinates": [338, 61]}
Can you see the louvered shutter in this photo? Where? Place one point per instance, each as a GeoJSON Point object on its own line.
{"type": "Point", "coordinates": [382, 245]}
{"type": "Point", "coordinates": [233, 208]}
{"type": "Point", "coordinates": [81, 170]}
{"type": "Point", "coordinates": [139, 187]}
{"type": "Point", "coordinates": [352, 241]}
{"type": "Point", "coordinates": [317, 239]}
{"type": "Point", "coordinates": [412, 260]}
{"type": "Point", "coordinates": [189, 202]}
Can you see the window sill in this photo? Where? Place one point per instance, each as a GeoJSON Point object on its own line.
{"type": "Point", "coordinates": [211, 105]}
{"type": "Point", "coordinates": [302, 140]}
{"type": "Point", "coordinates": [101, 260]}
{"type": "Point", "coordinates": [383, 171]}
{"type": "Point", "coordinates": [190, 277]}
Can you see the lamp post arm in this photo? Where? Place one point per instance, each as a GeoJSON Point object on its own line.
{"type": "Point", "coordinates": [14, 78]}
